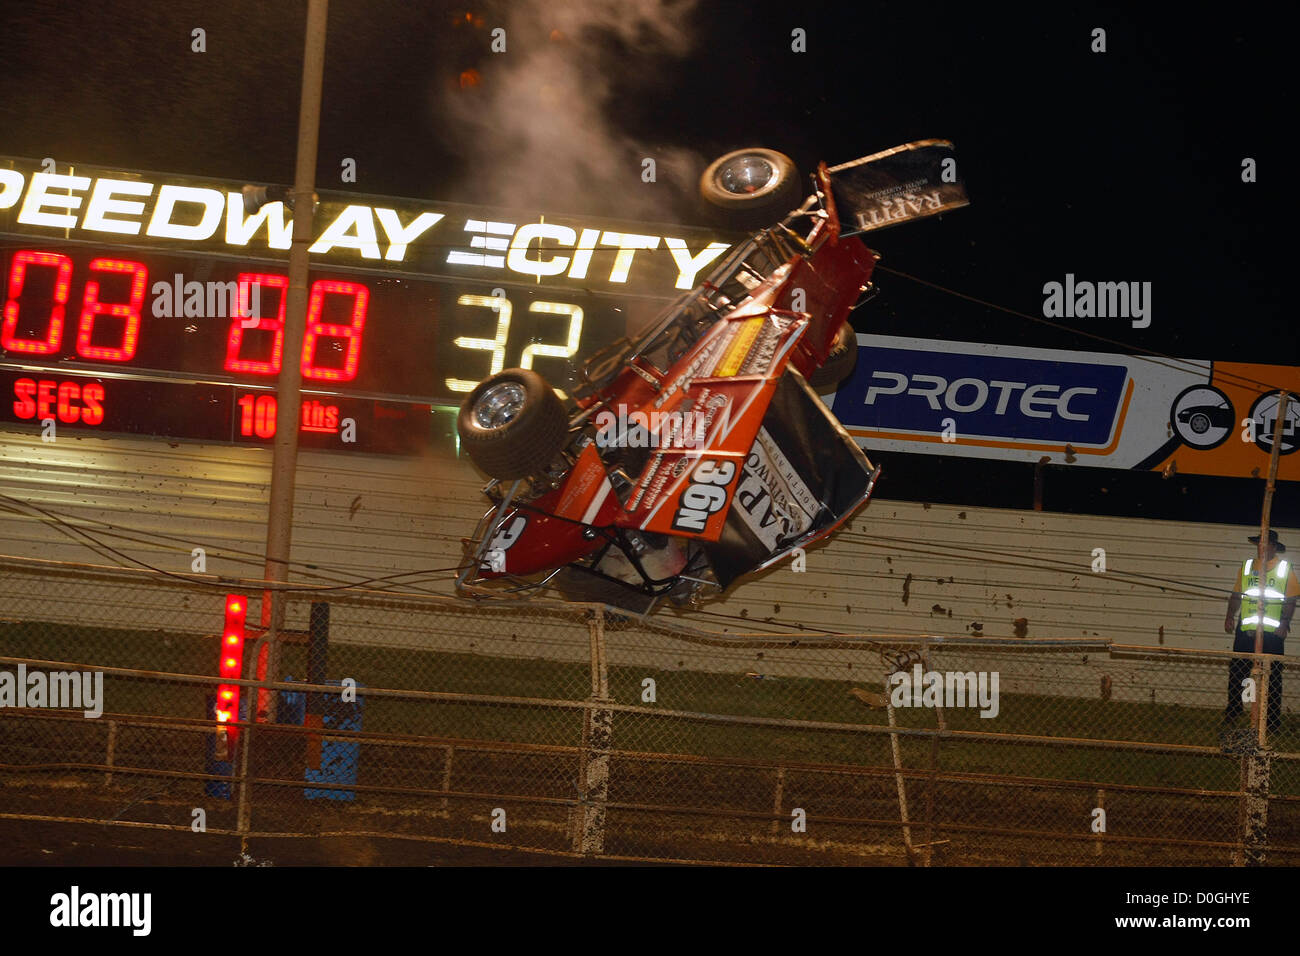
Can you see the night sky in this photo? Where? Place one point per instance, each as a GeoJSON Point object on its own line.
{"type": "Point", "coordinates": [1123, 166]}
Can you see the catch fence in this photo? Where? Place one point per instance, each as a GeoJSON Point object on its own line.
{"type": "Point", "coordinates": [571, 731]}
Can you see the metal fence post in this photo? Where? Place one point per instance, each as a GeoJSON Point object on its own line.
{"type": "Point", "coordinates": [1256, 773]}
{"type": "Point", "coordinates": [446, 774]}
{"type": "Point", "coordinates": [777, 797]}
{"type": "Point", "coordinates": [1254, 838]}
{"type": "Point", "coordinates": [1100, 834]}
{"type": "Point", "coordinates": [244, 812]}
{"type": "Point", "coordinates": [110, 750]}
{"type": "Point", "coordinates": [901, 784]}
{"type": "Point", "coordinates": [1256, 766]}
{"type": "Point", "coordinates": [597, 733]}
{"type": "Point", "coordinates": [930, 842]}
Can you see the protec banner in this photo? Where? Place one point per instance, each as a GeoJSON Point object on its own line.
{"type": "Point", "coordinates": [1096, 409]}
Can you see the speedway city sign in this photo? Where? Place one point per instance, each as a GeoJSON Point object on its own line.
{"type": "Point", "coordinates": [163, 211]}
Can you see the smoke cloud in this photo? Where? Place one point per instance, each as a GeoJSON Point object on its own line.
{"type": "Point", "coordinates": [543, 126]}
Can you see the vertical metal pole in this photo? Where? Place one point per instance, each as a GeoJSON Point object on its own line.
{"type": "Point", "coordinates": [1258, 714]}
{"type": "Point", "coordinates": [898, 776]}
{"type": "Point", "coordinates": [446, 775]}
{"type": "Point", "coordinates": [777, 797]}
{"type": "Point", "coordinates": [934, 768]}
{"type": "Point", "coordinates": [1256, 765]}
{"type": "Point", "coordinates": [597, 727]}
{"type": "Point", "coordinates": [279, 523]}
{"type": "Point", "coordinates": [112, 748]}
{"type": "Point", "coordinates": [1101, 805]}
{"type": "Point", "coordinates": [317, 673]}
{"type": "Point", "coordinates": [244, 807]}
{"type": "Point", "coordinates": [1038, 482]}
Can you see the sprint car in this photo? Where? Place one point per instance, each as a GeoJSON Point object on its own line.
{"type": "Point", "coordinates": [698, 451]}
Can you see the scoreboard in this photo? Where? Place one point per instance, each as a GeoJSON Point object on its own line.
{"type": "Point", "coordinates": [147, 304]}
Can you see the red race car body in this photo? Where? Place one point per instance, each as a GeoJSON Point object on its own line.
{"type": "Point", "coordinates": [693, 455]}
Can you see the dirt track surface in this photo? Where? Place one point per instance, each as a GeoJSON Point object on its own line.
{"type": "Point", "coordinates": [26, 843]}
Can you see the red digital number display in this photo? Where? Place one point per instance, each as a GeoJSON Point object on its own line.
{"type": "Point", "coordinates": [92, 308]}
{"type": "Point", "coordinates": [24, 260]}
{"type": "Point", "coordinates": [70, 401]}
{"type": "Point", "coordinates": [318, 330]}
{"type": "Point", "coordinates": [235, 340]}
{"type": "Point", "coordinates": [213, 320]}
{"type": "Point", "coordinates": [257, 416]}
{"type": "Point", "coordinates": [322, 335]}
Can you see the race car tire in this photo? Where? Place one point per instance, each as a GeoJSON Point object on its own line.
{"type": "Point", "coordinates": [1200, 423]}
{"type": "Point", "coordinates": [513, 424]}
{"type": "Point", "coordinates": [839, 364]}
{"type": "Point", "coordinates": [745, 206]}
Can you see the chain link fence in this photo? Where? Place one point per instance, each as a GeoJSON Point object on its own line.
{"type": "Point", "coordinates": [574, 732]}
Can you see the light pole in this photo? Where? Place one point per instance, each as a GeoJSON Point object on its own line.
{"type": "Point", "coordinates": [284, 462]}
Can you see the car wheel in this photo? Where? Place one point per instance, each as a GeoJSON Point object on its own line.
{"type": "Point", "coordinates": [513, 424]}
{"type": "Point", "coordinates": [1200, 423]}
{"type": "Point", "coordinates": [839, 364]}
{"type": "Point", "coordinates": [751, 188]}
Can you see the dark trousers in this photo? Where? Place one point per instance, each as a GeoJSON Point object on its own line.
{"type": "Point", "coordinates": [1239, 670]}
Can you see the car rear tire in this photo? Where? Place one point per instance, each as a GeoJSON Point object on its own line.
{"type": "Point", "coordinates": [512, 425]}
{"type": "Point", "coordinates": [839, 364]}
{"type": "Point", "coordinates": [751, 188]}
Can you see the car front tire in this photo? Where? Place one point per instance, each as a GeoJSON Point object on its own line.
{"type": "Point", "coordinates": [751, 188]}
{"type": "Point", "coordinates": [512, 425]}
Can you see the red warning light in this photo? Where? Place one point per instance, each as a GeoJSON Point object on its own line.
{"type": "Point", "coordinates": [231, 658]}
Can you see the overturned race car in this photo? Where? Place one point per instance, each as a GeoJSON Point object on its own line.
{"type": "Point", "coordinates": [698, 451]}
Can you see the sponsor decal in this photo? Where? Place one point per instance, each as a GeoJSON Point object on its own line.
{"type": "Point", "coordinates": [746, 332]}
{"type": "Point", "coordinates": [771, 498]}
{"type": "Point", "coordinates": [693, 370]}
{"type": "Point", "coordinates": [760, 356]}
{"type": "Point", "coordinates": [1018, 399]}
{"type": "Point", "coordinates": [974, 400]}
{"type": "Point", "coordinates": [897, 185]}
{"type": "Point", "coordinates": [705, 494]}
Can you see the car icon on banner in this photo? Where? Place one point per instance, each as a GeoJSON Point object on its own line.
{"type": "Point", "coordinates": [1202, 417]}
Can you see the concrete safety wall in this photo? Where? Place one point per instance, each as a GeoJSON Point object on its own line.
{"type": "Point", "coordinates": [898, 568]}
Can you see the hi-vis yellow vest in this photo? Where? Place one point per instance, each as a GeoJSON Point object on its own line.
{"type": "Point", "coordinates": [1273, 596]}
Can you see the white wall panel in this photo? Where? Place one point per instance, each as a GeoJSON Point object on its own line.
{"type": "Point", "coordinates": [898, 568]}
